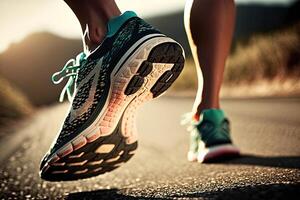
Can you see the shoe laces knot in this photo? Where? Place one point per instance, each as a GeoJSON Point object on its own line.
{"type": "Point", "coordinates": [70, 70]}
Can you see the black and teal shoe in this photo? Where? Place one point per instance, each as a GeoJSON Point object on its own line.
{"type": "Point", "coordinates": [210, 138]}
{"type": "Point", "coordinates": [134, 63]}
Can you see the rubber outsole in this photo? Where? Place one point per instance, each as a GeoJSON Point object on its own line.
{"type": "Point", "coordinates": [91, 160]}
{"type": "Point", "coordinates": [147, 75]}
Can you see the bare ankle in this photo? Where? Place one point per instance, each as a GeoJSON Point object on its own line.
{"type": "Point", "coordinates": [93, 16]}
{"type": "Point", "coordinates": [205, 106]}
{"type": "Point", "coordinates": [92, 37]}
{"type": "Point", "coordinates": [100, 12]}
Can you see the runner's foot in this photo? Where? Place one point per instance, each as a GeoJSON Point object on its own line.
{"type": "Point", "coordinates": [210, 138]}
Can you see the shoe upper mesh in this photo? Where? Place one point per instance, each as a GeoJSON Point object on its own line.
{"type": "Point", "coordinates": [133, 30]}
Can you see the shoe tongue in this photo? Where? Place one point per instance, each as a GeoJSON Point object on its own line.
{"type": "Point", "coordinates": [213, 115]}
{"type": "Point", "coordinates": [116, 22]}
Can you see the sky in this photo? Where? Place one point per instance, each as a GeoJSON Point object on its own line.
{"type": "Point", "coordinates": [19, 18]}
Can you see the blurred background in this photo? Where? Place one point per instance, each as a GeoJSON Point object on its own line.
{"type": "Point", "coordinates": [39, 36]}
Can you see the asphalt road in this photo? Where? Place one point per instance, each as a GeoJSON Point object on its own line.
{"type": "Point", "coordinates": [266, 130]}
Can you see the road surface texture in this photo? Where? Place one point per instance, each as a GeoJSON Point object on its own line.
{"type": "Point", "coordinates": [266, 130]}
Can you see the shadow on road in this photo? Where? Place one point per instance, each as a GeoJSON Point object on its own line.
{"type": "Point", "coordinates": [290, 162]}
{"type": "Point", "coordinates": [272, 191]}
{"type": "Point", "coordinates": [103, 194]}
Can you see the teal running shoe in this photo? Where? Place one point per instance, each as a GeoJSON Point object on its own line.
{"type": "Point", "coordinates": [134, 63]}
{"type": "Point", "coordinates": [210, 137]}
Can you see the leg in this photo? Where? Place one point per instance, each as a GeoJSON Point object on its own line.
{"type": "Point", "coordinates": [209, 24]}
{"type": "Point", "coordinates": [93, 16]}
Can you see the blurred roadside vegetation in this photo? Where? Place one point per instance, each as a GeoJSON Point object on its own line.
{"type": "Point", "coordinates": [265, 56]}
{"type": "Point", "coordinates": [13, 104]}
{"type": "Point", "coordinates": [268, 57]}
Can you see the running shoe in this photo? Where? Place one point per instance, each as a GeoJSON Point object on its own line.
{"type": "Point", "coordinates": [134, 63]}
{"type": "Point", "coordinates": [210, 138]}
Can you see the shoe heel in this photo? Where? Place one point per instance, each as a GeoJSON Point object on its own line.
{"type": "Point", "coordinates": [161, 55]}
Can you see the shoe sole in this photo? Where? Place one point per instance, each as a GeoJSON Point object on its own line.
{"type": "Point", "coordinates": [112, 140]}
{"type": "Point", "coordinates": [218, 153]}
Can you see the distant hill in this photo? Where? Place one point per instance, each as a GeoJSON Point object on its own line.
{"type": "Point", "coordinates": [30, 64]}
{"type": "Point", "coordinates": [262, 18]}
